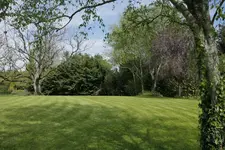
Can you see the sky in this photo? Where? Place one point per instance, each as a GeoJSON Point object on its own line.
{"type": "Point", "coordinates": [96, 36]}
{"type": "Point", "coordinates": [111, 16]}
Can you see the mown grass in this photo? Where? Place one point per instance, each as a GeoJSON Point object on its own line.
{"type": "Point", "coordinates": [101, 123]}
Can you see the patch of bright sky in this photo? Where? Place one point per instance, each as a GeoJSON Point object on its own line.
{"type": "Point", "coordinates": [111, 14]}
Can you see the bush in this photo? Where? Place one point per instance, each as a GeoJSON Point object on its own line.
{"type": "Point", "coordinates": [78, 75]}
{"type": "Point", "coordinates": [4, 89]}
{"type": "Point", "coordinates": [168, 87]}
{"type": "Point", "coordinates": [130, 89]}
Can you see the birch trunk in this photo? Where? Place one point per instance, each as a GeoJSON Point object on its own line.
{"type": "Point", "coordinates": [154, 76]}
{"type": "Point", "coordinates": [141, 78]}
{"type": "Point", "coordinates": [37, 86]}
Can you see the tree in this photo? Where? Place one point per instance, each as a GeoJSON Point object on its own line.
{"type": "Point", "coordinates": [131, 49]}
{"type": "Point", "coordinates": [171, 51]}
{"type": "Point", "coordinates": [131, 56]}
{"type": "Point", "coordinates": [78, 75]}
{"type": "Point", "coordinates": [4, 6]}
{"type": "Point", "coordinates": [40, 55]}
{"type": "Point", "coordinates": [10, 63]}
{"type": "Point", "coordinates": [197, 15]}
{"type": "Point", "coordinates": [221, 43]}
{"type": "Point", "coordinates": [137, 44]}
{"type": "Point", "coordinates": [76, 44]}
{"type": "Point", "coordinates": [28, 12]}
{"type": "Point", "coordinates": [221, 40]}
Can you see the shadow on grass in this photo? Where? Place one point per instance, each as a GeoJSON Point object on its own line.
{"type": "Point", "coordinates": [84, 127]}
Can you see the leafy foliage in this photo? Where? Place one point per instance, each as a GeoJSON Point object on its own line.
{"type": "Point", "coordinates": [152, 48]}
{"type": "Point", "coordinates": [78, 75]}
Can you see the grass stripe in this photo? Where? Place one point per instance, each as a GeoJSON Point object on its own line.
{"type": "Point", "coordinates": [98, 122]}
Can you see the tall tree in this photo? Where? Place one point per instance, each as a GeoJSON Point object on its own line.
{"type": "Point", "coordinates": [170, 50]}
{"type": "Point", "coordinates": [198, 19]}
{"type": "Point", "coordinates": [132, 49]}
{"type": "Point", "coordinates": [10, 62]}
{"type": "Point", "coordinates": [40, 55]}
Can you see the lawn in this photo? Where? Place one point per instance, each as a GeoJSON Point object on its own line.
{"type": "Point", "coordinates": [101, 123]}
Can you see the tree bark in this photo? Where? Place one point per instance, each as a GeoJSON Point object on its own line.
{"type": "Point", "coordinates": [134, 80]}
{"type": "Point", "coordinates": [210, 100]}
{"type": "Point", "coordinates": [179, 90]}
{"type": "Point", "coordinates": [212, 119]}
{"type": "Point", "coordinates": [154, 79]}
{"type": "Point", "coordinates": [153, 86]}
{"type": "Point", "coordinates": [37, 86]}
{"type": "Point", "coordinates": [154, 76]}
{"type": "Point", "coordinates": [142, 82]}
{"type": "Point", "coordinates": [212, 68]}
{"type": "Point", "coordinates": [141, 78]}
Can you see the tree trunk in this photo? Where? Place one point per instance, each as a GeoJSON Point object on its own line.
{"type": "Point", "coordinates": [153, 80]}
{"type": "Point", "coordinates": [134, 80]}
{"type": "Point", "coordinates": [212, 103]}
{"type": "Point", "coordinates": [141, 78]}
{"type": "Point", "coordinates": [37, 87]}
{"type": "Point", "coordinates": [154, 76]}
{"type": "Point", "coordinates": [142, 87]}
{"type": "Point", "coordinates": [212, 119]}
{"type": "Point", "coordinates": [153, 86]}
{"type": "Point", "coordinates": [142, 82]}
{"type": "Point", "coordinates": [179, 90]}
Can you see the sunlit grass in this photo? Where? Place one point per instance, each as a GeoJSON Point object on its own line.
{"type": "Point", "coordinates": [107, 123]}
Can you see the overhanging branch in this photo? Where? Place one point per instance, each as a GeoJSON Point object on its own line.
{"type": "Point", "coordinates": [181, 7]}
{"type": "Point", "coordinates": [215, 14]}
{"type": "Point", "coordinates": [83, 8]}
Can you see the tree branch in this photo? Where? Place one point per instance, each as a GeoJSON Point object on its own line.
{"type": "Point", "coordinates": [83, 8]}
{"type": "Point", "coordinates": [215, 14]}
{"type": "Point", "coordinates": [181, 7]}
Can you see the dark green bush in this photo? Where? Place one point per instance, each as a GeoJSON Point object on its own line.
{"type": "Point", "coordinates": [4, 89]}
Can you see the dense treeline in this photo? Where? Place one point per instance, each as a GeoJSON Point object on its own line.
{"type": "Point", "coordinates": [82, 74]}
{"type": "Point", "coordinates": [158, 56]}
{"type": "Point", "coordinates": [153, 57]}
